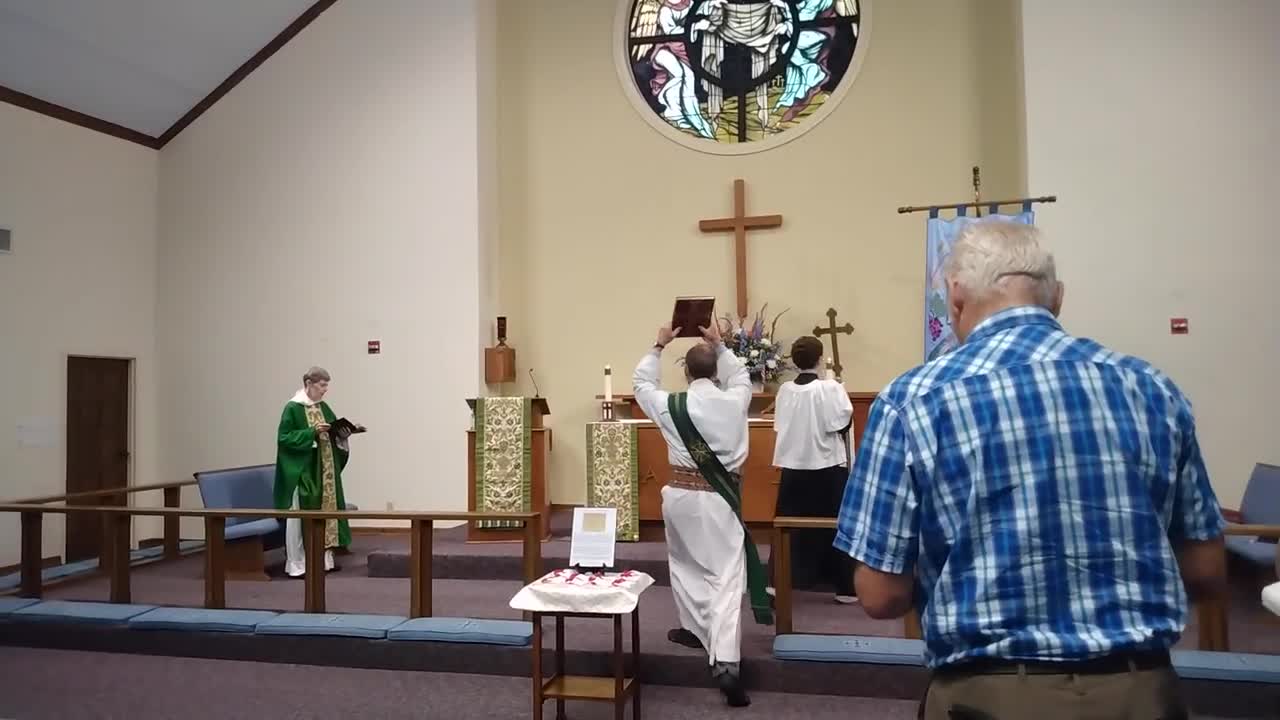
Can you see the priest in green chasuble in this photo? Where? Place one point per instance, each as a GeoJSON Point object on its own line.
{"type": "Point", "coordinates": [310, 457]}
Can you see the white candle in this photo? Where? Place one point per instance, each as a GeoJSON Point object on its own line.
{"type": "Point", "coordinates": [608, 384]}
{"type": "Point", "coordinates": [831, 370]}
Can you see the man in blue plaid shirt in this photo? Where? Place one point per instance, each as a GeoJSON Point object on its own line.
{"type": "Point", "coordinates": [1039, 499]}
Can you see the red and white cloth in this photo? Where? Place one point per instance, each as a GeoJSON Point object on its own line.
{"type": "Point", "coordinates": [571, 591]}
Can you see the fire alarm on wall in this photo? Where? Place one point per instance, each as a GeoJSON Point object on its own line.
{"type": "Point", "coordinates": [1178, 326]}
{"type": "Point", "coordinates": [375, 347]}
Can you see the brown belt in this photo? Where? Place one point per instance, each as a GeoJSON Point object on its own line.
{"type": "Point", "coordinates": [1106, 665]}
{"type": "Point", "coordinates": [690, 479]}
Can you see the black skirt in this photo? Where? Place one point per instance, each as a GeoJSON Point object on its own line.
{"type": "Point", "coordinates": [815, 563]}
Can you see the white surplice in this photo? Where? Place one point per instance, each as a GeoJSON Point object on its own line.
{"type": "Point", "coordinates": [704, 537]}
{"type": "Point", "coordinates": [809, 419]}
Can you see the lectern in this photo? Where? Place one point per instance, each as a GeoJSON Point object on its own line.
{"type": "Point", "coordinates": [507, 448]}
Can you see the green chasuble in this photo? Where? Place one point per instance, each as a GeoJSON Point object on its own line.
{"type": "Point", "coordinates": [311, 464]}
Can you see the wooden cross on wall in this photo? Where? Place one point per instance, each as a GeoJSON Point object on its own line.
{"type": "Point", "coordinates": [834, 332]}
{"type": "Point", "coordinates": [739, 224]}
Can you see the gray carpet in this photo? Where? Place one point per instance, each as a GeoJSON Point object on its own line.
{"type": "Point", "coordinates": [38, 684]}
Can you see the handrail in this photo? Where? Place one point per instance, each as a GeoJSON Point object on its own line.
{"type": "Point", "coordinates": [116, 546]}
{"type": "Point", "coordinates": [1212, 611]}
{"type": "Point", "coordinates": [1270, 532]}
{"type": "Point", "coordinates": [268, 513]}
{"type": "Point", "coordinates": [782, 600]}
{"type": "Point", "coordinates": [128, 490]}
{"type": "Point", "coordinates": [804, 523]}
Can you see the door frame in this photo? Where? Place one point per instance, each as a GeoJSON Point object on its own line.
{"type": "Point", "coordinates": [130, 430]}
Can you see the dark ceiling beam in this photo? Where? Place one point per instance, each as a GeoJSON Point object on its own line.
{"type": "Point", "coordinates": [34, 104]}
{"type": "Point", "coordinates": [242, 72]}
{"type": "Point", "coordinates": [22, 100]}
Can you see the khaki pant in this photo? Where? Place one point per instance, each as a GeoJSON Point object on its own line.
{"type": "Point", "coordinates": [1133, 695]}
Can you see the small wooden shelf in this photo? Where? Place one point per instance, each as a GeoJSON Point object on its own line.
{"type": "Point", "coordinates": [561, 686]}
{"type": "Point", "coordinates": [583, 687]}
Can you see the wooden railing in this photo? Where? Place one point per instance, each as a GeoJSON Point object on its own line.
{"type": "Point", "coordinates": [117, 521]}
{"type": "Point", "coordinates": [172, 499]}
{"type": "Point", "coordinates": [781, 553]}
{"type": "Point", "coordinates": [1211, 611]}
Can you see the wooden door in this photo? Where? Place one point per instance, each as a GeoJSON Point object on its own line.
{"type": "Point", "coordinates": [97, 444]}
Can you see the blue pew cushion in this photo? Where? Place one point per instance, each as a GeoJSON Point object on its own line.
{"type": "Point", "coordinates": [172, 618]}
{"type": "Point", "coordinates": [96, 613]}
{"type": "Point", "coordinates": [10, 604]}
{"type": "Point", "coordinates": [360, 626]}
{"type": "Point", "coordinates": [464, 630]}
{"type": "Point", "coordinates": [849, 649]}
{"type": "Point", "coordinates": [1230, 666]}
{"type": "Point", "coordinates": [251, 528]}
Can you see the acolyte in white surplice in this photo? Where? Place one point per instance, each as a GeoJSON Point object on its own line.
{"type": "Point", "coordinates": [704, 536]}
{"type": "Point", "coordinates": [810, 418]}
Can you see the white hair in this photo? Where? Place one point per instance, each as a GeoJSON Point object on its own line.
{"type": "Point", "coordinates": [989, 254]}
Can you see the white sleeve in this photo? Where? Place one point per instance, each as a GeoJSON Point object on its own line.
{"type": "Point", "coordinates": [836, 407]}
{"type": "Point", "coordinates": [733, 376]}
{"type": "Point", "coordinates": [781, 408]}
{"type": "Point", "coordinates": [647, 380]}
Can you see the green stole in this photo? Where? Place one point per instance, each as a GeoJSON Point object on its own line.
{"type": "Point", "coordinates": [722, 482]}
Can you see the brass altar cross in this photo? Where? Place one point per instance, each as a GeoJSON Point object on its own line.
{"type": "Point", "coordinates": [834, 332]}
{"type": "Point", "coordinates": [740, 223]}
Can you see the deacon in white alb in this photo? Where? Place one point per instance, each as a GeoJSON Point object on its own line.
{"type": "Point", "coordinates": [706, 434]}
{"type": "Point", "coordinates": [811, 418]}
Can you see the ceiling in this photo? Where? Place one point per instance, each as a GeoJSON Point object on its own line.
{"type": "Point", "coordinates": [139, 64]}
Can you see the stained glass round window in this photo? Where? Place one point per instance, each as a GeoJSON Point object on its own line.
{"type": "Point", "coordinates": [738, 76]}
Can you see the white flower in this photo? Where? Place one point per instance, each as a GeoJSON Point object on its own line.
{"type": "Point", "coordinates": [772, 364]}
{"type": "Point", "coordinates": [765, 339]}
{"type": "Point", "coordinates": [755, 353]}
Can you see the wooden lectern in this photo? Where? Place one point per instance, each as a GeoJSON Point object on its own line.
{"type": "Point", "coordinates": [541, 495]}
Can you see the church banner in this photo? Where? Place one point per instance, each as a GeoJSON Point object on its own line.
{"type": "Point", "coordinates": [613, 475]}
{"type": "Point", "coordinates": [939, 339]}
{"type": "Point", "coordinates": [504, 458]}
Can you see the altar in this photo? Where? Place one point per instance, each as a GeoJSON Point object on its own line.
{"type": "Point", "coordinates": [760, 479]}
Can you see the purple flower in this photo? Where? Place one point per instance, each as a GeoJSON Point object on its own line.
{"type": "Point", "coordinates": [935, 328]}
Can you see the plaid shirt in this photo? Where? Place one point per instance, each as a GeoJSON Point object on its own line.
{"type": "Point", "coordinates": [1037, 483]}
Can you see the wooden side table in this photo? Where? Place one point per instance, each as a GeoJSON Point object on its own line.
{"type": "Point", "coordinates": [561, 687]}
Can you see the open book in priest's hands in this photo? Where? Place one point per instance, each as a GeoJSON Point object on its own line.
{"type": "Point", "coordinates": [344, 427]}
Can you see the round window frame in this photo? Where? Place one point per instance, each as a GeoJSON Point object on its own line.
{"type": "Point", "coordinates": [622, 65]}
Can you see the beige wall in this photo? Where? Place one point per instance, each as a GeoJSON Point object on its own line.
{"type": "Point", "coordinates": [1155, 123]}
{"type": "Point", "coordinates": [81, 281]}
{"type": "Point", "coordinates": [599, 212]}
{"type": "Point", "coordinates": [330, 199]}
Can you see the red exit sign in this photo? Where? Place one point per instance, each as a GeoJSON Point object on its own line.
{"type": "Point", "coordinates": [375, 347]}
{"type": "Point", "coordinates": [1178, 326]}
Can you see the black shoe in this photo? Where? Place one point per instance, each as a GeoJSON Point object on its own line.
{"type": "Point", "coordinates": [680, 636]}
{"type": "Point", "coordinates": [731, 687]}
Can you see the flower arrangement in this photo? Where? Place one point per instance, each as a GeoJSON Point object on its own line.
{"type": "Point", "coordinates": [758, 349]}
